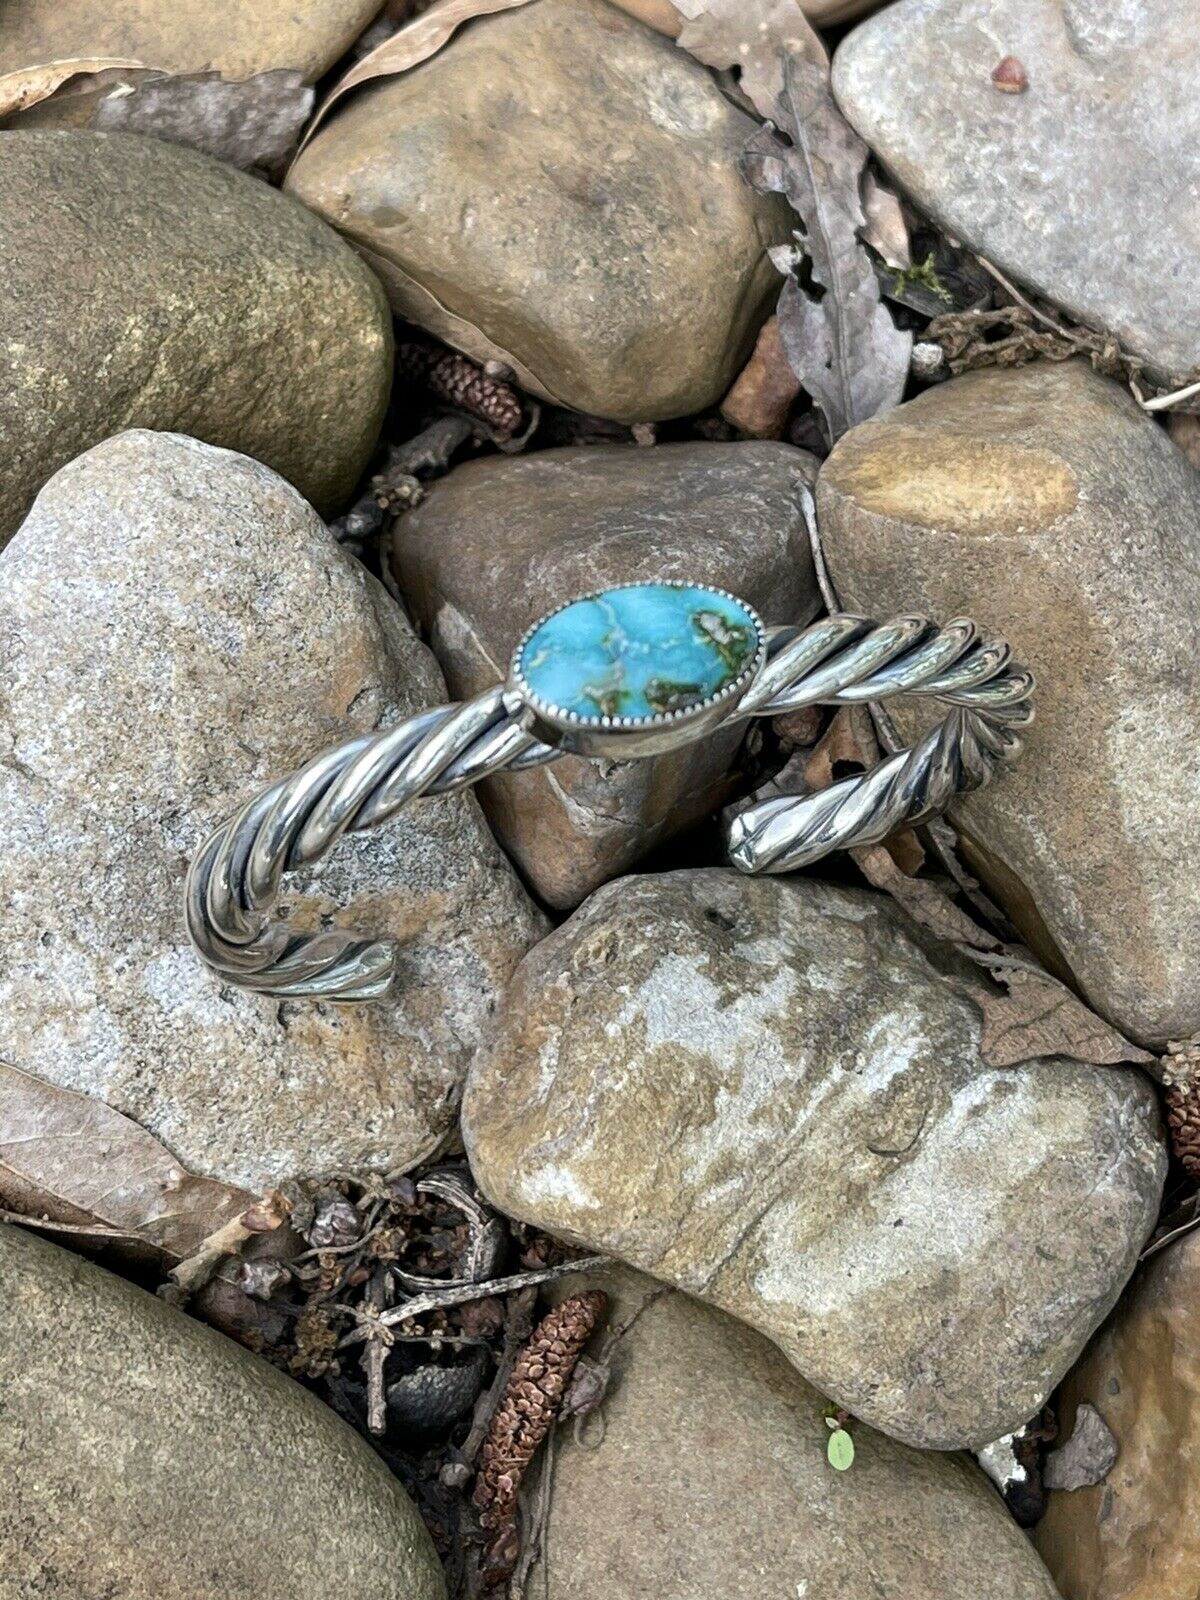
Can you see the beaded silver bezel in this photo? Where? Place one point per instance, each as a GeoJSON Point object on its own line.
{"type": "Point", "coordinates": [633, 736]}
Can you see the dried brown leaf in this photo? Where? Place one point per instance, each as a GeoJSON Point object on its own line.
{"type": "Point", "coordinates": [28, 85]}
{"type": "Point", "coordinates": [1039, 1016]}
{"type": "Point", "coordinates": [843, 346]}
{"type": "Point", "coordinates": [756, 37]}
{"type": "Point", "coordinates": [419, 39]}
{"type": "Point", "coordinates": [886, 231]}
{"type": "Point", "coordinates": [924, 901]}
{"type": "Point", "coordinates": [253, 122]}
{"type": "Point", "coordinates": [77, 1161]}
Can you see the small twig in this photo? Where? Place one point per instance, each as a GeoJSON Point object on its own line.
{"type": "Point", "coordinates": [1164, 402]}
{"type": "Point", "coordinates": [374, 1359]}
{"type": "Point", "coordinates": [421, 1304]}
{"type": "Point", "coordinates": [93, 1229]}
{"type": "Point", "coordinates": [808, 510]}
{"type": "Point", "coordinates": [1156, 1245]}
{"type": "Point", "coordinates": [1042, 316]}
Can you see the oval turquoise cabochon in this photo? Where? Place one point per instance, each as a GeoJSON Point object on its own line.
{"type": "Point", "coordinates": [638, 651]}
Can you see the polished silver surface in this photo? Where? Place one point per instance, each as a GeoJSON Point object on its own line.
{"type": "Point", "coordinates": [235, 879]}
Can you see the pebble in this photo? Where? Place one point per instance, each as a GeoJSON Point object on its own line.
{"type": "Point", "coordinates": [178, 629]}
{"type": "Point", "coordinates": [185, 35]}
{"type": "Point", "coordinates": [712, 1455]}
{"type": "Point", "coordinates": [557, 189]}
{"type": "Point", "coordinates": [1135, 1535]}
{"type": "Point", "coordinates": [1083, 184]}
{"type": "Point", "coordinates": [143, 1454]}
{"type": "Point", "coordinates": [500, 542]}
{"type": "Point", "coordinates": [144, 285]}
{"type": "Point", "coordinates": [768, 1093]}
{"type": "Point", "coordinates": [1046, 505]}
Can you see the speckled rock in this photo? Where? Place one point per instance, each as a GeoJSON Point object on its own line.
{"type": "Point", "coordinates": [1136, 1536]}
{"type": "Point", "coordinates": [1043, 503]}
{"type": "Point", "coordinates": [710, 1478]}
{"type": "Point", "coordinates": [498, 543]}
{"type": "Point", "coordinates": [769, 1094]}
{"type": "Point", "coordinates": [558, 188]}
{"type": "Point", "coordinates": [142, 284]}
{"type": "Point", "coordinates": [144, 1455]}
{"type": "Point", "coordinates": [178, 628]}
{"type": "Point", "coordinates": [184, 35]}
{"type": "Point", "coordinates": [1087, 185]}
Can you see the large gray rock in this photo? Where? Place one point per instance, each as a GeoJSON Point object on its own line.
{"type": "Point", "coordinates": [558, 188]}
{"type": "Point", "coordinates": [184, 35]}
{"type": "Point", "coordinates": [1045, 504]}
{"type": "Point", "coordinates": [769, 1094]}
{"type": "Point", "coordinates": [143, 1455]}
{"type": "Point", "coordinates": [144, 285]}
{"type": "Point", "coordinates": [710, 1479]}
{"type": "Point", "coordinates": [1087, 185]}
{"type": "Point", "coordinates": [500, 542]}
{"type": "Point", "coordinates": [177, 629]}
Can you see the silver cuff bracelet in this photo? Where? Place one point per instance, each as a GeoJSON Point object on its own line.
{"type": "Point", "coordinates": [624, 673]}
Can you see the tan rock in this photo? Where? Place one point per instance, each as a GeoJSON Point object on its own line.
{"type": "Point", "coordinates": [558, 187]}
{"type": "Point", "coordinates": [1046, 505]}
{"type": "Point", "coordinates": [500, 542]}
{"type": "Point", "coordinates": [178, 628]}
{"type": "Point", "coordinates": [769, 1093]}
{"type": "Point", "coordinates": [142, 284]}
{"type": "Point", "coordinates": [765, 390]}
{"type": "Point", "coordinates": [1136, 1536]}
{"type": "Point", "coordinates": [144, 1455]}
{"type": "Point", "coordinates": [184, 35]}
{"type": "Point", "coordinates": [710, 1479]}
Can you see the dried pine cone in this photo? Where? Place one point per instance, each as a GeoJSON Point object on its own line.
{"type": "Point", "coordinates": [526, 1413]}
{"type": "Point", "coordinates": [1181, 1081]}
{"type": "Point", "coordinates": [457, 381]}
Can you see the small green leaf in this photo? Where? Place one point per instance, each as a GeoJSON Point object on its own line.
{"type": "Point", "coordinates": [840, 1449]}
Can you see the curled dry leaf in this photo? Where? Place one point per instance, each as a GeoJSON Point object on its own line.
{"type": "Point", "coordinates": [755, 36]}
{"type": "Point", "coordinates": [75, 1160]}
{"type": "Point", "coordinates": [28, 85]}
{"type": "Point", "coordinates": [1038, 1016]}
{"type": "Point", "coordinates": [885, 231]}
{"type": "Point", "coordinates": [843, 345]}
{"type": "Point", "coordinates": [419, 39]}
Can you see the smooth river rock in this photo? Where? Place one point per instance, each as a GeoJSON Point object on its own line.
{"type": "Point", "coordinates": [769, 1093]}
{"type": "Point", "coordinates": [1086, 186]}
{"type": "Point", "coordinates": [144, 1455]}
{"type": "Point", "coordinates": [1136, 1536]}
{"type": "Point", "coordinates": [558, 188]}
{"type": "Point", "coordinates": [499, 542]}
{"type": "Point", "coordinates": [184, 35]}
{"type": "Point", "coordinates": [178, 628]}
{"type": "Point", "coordinates": [710, 1479]}
{"type": "Point", "coordinates": [1046, 505]}
{"type": "Point", "coordinates": [144, 285]}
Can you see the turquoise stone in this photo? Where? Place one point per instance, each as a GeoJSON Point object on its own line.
{"type": "Point", "coordinates": [639, 651]}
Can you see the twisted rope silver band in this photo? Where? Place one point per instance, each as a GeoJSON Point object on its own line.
{"type": "Point", "coordinates": [235, 879]}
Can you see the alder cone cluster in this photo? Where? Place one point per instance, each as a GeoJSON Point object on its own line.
{"type": "Point", "coordinates": [458, 381]}
{"type": "Point", "coordinates": [527, 1411]}
{"type": "Point", "coordinates": [1181, 1083]}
